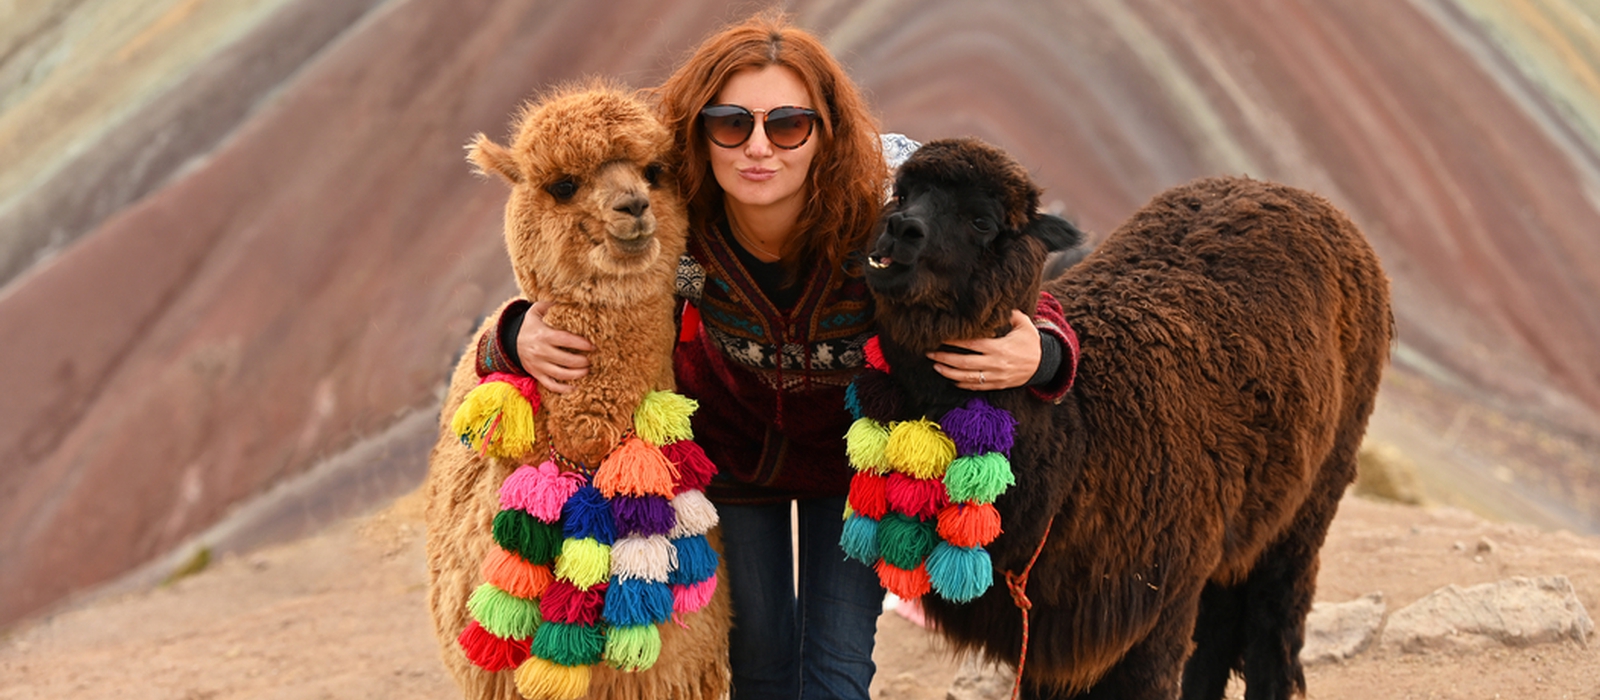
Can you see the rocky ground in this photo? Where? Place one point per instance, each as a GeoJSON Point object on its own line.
{"type": "Point", "coordinates": [341, 615]}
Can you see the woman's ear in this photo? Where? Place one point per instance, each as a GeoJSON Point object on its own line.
{"type": "Point", "coordinates": [1056, 233]}
{"type": "Point", "coordinates": [490, 157]}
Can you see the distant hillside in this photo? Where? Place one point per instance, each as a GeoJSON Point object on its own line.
{"type": "Point", "coordinates": [237, 238]}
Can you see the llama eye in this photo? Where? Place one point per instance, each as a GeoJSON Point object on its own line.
{"type": "Point", "coordinates": [652, 174]}
{"type": "Point", "coordinates": [983, 224]}
{"type": "Point", "coordinates": [563, 189]}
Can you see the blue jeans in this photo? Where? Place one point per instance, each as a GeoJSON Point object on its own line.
{"type": "Point", "coordinates": [814, 645]}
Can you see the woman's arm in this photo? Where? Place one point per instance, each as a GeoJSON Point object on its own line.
{"type": "Point", "coordinates": [520, 343]}
{"type": "Point", "coordinates": [1040, 353]}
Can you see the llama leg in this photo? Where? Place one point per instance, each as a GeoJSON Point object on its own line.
{"type": "Point", "coordinates": [1279, 590]}
{"type": "Point", "coordinates": [1152, 669]}
{"type": "Point", "coordinates": [1218, 643]}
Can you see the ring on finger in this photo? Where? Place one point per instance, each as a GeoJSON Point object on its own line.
{"type": "Point", "coordinates": [980, 376]}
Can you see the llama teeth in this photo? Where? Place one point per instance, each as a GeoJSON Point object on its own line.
{"type": "Point", "coordinates": [879, 263]}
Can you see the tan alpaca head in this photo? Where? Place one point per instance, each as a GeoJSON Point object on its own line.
{"type": "Point", "coordinates": [593, 212]}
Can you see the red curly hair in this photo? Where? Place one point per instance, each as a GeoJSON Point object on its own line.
{"type": "Point", "coordinates": [845, 185]}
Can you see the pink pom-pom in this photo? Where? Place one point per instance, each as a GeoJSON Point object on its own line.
{"type": "Point", "coordinates": [690, 597]}
{"type": "Point", "coordinates": [874, 353]}
{"type": "Point", "coordinates": [694, 467]}
{"type": "Point", "coordinates": [525, 386]}
{"type": "Point", "coordinates": [918, 498]}
{"type": "Point", "coordinates": [539, 491]}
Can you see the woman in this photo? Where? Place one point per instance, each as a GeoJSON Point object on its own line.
{"type": "Point", "coordinates": [784, 174]}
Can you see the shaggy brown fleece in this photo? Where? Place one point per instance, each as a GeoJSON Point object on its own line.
{"type": "Point", "coordinates": [1233, 333]}
{"type": "Point", "coordinates": [595, 225]}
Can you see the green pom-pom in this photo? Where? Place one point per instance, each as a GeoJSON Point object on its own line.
{"type": "Point", "coordinates": [859, 539]}
{"type": "Point", "coordinates": [502, 614]}
{"type": "Point", "coordinates": [633, 648]}
{"type": "Point", "coordinates": [865, 443]}
{"type": "Point", "coordinates": [516, 531]}
{"type": "Point", "coordinates": [663, 418]}
{"type": "Point", "coordinates": [569, 645]}
{"type": "Point", "coordinates": [905, 541]}
{"type": "Point", "coordinates": [978, 478]}
{"type": "Point", "coordinates": [585, 562]}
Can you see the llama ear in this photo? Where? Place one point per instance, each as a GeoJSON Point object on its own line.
{"type": "Point", "coordinates": [1056, 233]}
{"type": "Point", "coordinates": [492, 158]}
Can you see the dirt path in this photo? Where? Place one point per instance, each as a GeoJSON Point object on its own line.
{"type": "Point", "coordinates": [341, 615]}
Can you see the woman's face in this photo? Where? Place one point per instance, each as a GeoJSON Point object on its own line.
{"type": "Point", "coordinates": [756, 173]}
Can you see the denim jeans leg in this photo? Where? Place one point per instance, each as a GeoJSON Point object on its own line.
{"type": "Point", "coordinates": [764, 645]}
{"type": "Point", "coordinates": [840, 601]}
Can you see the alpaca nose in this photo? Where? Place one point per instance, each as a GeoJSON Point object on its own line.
{"type": "Point", "coordinates": [635, 205]}
{"type": "Point", "coordinates": [906, 228]}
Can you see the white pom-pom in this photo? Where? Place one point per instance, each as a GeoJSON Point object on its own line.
{"type": "Point", "coordinates": [696, 515]}
{"type": "Point", "coordinates": [646, 558]}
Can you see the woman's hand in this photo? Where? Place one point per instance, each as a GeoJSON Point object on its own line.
{"type": "Point", "coordinates": [553, 357]}
{"type": "Point", "coordinates": [1000, 363]}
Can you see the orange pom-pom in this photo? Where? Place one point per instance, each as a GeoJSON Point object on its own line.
{"type": "Point", "coordinates": [515, 575]}
{"type": "Point", "coordinates": [969, 524]}
{"type": "Point", "coordinates": [908, 585]}
{"type": "Point", "coordinates": [635, 469]}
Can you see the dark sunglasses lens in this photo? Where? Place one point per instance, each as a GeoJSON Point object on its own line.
{"type": "Point", "coordinates": [789, 127]}
{"type": "Point", "coordinates": [728, 126]}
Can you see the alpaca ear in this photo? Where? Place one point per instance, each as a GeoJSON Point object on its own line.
{"type": "Point", "coordinates": [1056, 233]}
{"type": "Point", "coordinates": [492, 158]}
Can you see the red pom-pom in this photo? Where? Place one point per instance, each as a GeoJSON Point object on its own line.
{"type": "Point", "coordinates": [875, 355]}
{"type": "Point", "coordinates": [867, 496]}
{"type": "Point", "coordinates": [527, 386]}
{"type": "Point", "coordinates": [908, 585]}
{"type": "Point", "coordinates": [969, 524]}
{"type": "Point", "coordinates": [492, 653]}
{"type": "Point", "coordinates": [918, 498]}
{"type": "Point", "coordinates": [694, 467]}
{"type": "Point", "coordinates": [565, 603]}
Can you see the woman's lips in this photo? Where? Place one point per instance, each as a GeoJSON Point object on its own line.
{"type": "Point", "coordinates": [757, 174]}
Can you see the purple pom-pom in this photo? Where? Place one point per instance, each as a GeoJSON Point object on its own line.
{"type": "Point", "coordinates": [979, 427]}
{"type": "Point", "coordinates": [877, 396]}
{"type": "Point", "coordinates": [643, 516]}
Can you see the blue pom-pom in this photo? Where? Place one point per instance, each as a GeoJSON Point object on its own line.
{"type": "Point", "coordinates": [860, 539]}
{"type": "Point", "coordinates": [588, 514]}
{"type": "Point", "coordinates": [851, 403]}
{"type": "Point", "coordinates": [960, 574]}
{"type": "Point", "coordinates": [697, 561]}
{"type": "Point", "coordinates": [631, 602]}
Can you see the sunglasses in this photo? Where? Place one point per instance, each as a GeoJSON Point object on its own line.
{"type": "Point", "coordinates": [729, 126]}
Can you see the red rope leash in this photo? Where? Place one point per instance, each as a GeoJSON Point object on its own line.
{"type": "Point", "coordinates": [1019, 595]}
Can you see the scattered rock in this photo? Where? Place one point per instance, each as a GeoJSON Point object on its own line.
{"type": "Point", "coordinates": [981, 681]}
{"type": "Point", "coordinates": [1338, 631]}
{"type": "Point", "coordinates": [1515, 612]}
{"type": "Point", "coordinates": [1386, 473]}
{"type": "Point", "coordinates": [1486, 546]}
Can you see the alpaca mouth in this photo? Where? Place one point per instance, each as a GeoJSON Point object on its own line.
{"type": "Point", "coordinates": [878, 263]}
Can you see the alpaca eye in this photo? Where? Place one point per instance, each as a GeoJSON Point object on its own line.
{"type": "Point", "coordinates": [983, 224]}
{"type": "Point", "coordinates": [563, 189]}
{"type": "Point", "coordinates": [652, 174]}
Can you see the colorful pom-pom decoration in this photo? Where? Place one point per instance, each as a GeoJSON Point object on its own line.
{"type": "Point", "coordinates": [866, 445]}
{"type": "Point", "coordinates": [635, 468]}
{"type": "Point", "coordinates": [492, 653]}
{"type": "Point", "coordinates": [873, 350]}
{"type": "Point", "coordinates": [663, 418]}
{"type": "Point", "coordinates": [920, 507]}
{"type": "Point", "coordinates": [495, 419]}
{"type": "Point", "coordinates": [539, 679]}
{"type": "Point", "coordinates": [919, 448]}
{"type": "Point", "coordinates": [634, 648]}
{"type": "Point", "coordinates": [959, 574]}
{"type": "Point", "coordinates": [918, 498]}
{"type": "Point", "coordinates": [588, 566]}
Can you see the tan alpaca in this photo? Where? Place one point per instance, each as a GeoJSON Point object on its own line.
{"type": "Point", "coordinates": [595, 225]}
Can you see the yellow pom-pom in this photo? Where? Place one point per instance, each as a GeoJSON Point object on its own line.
{"type": "Point", "coordinates": [538, 679]}
{"type": "Point", "coordinates": [585, 562]}
{"type": "Point", "coordinates": [496, 420]}
{"type": "Point", "coordinates": [919, 448]}
{"type": "Point", "coordinates": [635, 469]}
{"type": "Point", "coordinates": [663, 418]}
{"type": "Point", "coordinates": [865, 444]}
